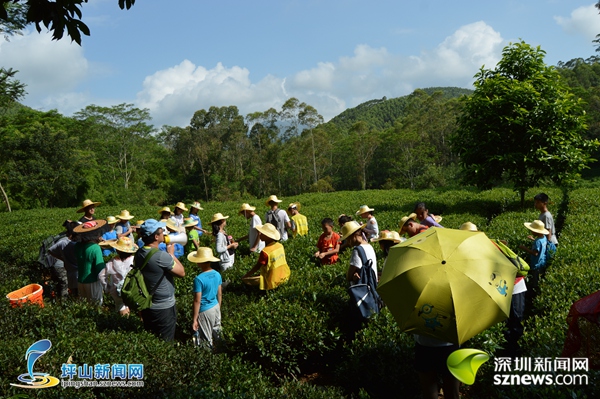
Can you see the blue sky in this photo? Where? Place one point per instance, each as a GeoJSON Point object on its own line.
{"type": "Point", "coordinates": [178, 57]}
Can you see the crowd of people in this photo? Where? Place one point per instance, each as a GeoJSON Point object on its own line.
{"type": "Point", "coordinates": [96, 255]}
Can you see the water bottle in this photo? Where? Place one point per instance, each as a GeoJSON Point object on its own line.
{"type": "Point", "coordinates": [196, 338]}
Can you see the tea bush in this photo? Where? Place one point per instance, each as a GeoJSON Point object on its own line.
{"type": "Point", "coordinates": [295, 341]}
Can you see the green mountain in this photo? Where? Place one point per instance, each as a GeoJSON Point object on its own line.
{"type": "Point", "coordinates": [381, 114]}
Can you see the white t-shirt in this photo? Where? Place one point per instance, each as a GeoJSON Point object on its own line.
{"type": "Point", "coordinates": [548, 221]}
{"type": "Point", "coordinates": [253, 233]}
{"type": "Point", "coordinates": [356, 261]}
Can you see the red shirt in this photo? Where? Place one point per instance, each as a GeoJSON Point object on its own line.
{"type": "Point", "coordinates": [327, 244]}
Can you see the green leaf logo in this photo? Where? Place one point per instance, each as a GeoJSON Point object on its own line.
{"type": "Point", "coordinates": [464, 363]}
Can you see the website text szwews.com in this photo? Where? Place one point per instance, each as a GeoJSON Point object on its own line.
{"type": "Point", "coordinates": [101, 384]}
{"type": "Point", "coordinates": [540, 379]}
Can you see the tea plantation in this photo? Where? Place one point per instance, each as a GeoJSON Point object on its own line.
{"type": "Point", "coordinates": [293, 342]}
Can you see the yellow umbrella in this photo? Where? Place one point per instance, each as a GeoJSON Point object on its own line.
{"type": "Point", "coordinates": [447, 284]}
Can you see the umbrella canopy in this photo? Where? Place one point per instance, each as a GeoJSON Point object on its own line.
{"type": "Point", "coordinates": [447, 284]}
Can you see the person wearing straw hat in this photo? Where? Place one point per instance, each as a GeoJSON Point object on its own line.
{"type": "Point", "coordinates": [88, 208]}
{"type": "Point", "coordinates": [165, 213]}
{"type": "Point", "coordinates": [387, 239]}
{"type": "Point", "coordinates": [354, 235]}
{"type": "Point", "coordinates": [178, 215]}
{"type": "Point", "coordinates": [206, 317]}
{"type": "Point", "coordinates": [537, 252]}
{"type": "Point", "coordinates": [409, 225]}
{"type": "Point", "coordinates": [192, 234]}
{"type": "Point", "coordinates": [328, 244]}
{"type": "Point", "coordinates": [272, 264]}
{"type": "Point", "coordinates": [194, 208]}
{"type": "Point", "coordinates": [225, 245]}
{"type": "Point", "coordinates": [298, 221]}
{"type": "Point", "coordinates": [124, 228]}
{"type": "Point", "coordinates": [89, 260]}
{"type": "Point", "coordinates": [113, 275]}
{"type": "Point", "coordinates": [278, 217]}
{"type": "Point", "coordinates": [109, 236]}
{"type": "Point", "coordinates": [253, 236]}
{"type": "Point", "coordinates": [161, 318]}
{"type": "Point", "coordinates": [371, 228]}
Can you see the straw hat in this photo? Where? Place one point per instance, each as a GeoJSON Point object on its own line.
{"type": "Point", "coordinates": [269, 230]}
{"type": "Point", "coordinates": [124, 244]}
{"type": "Point", "coordinates": [172, 224]}
{"type": "Point", "coordinates": [107, 243]}
{"type": "Point", "coordinates": [189, 222]}
{"type": "Point", "coordinates": [202, 255]}
{"type": "Point", "coordinates": [272, 198]}
{"type": "Point", "coordinates": [437, 218]}
{"type": "Point", "coordinates": [125, 215]}
{"type": "Point", "coordinates": [139, 223]}
{"type": "Point", "coordinates": [364, 209]}
{"type": "Point", "coordinates": [349, 229]}
{"type": "Point", "coordinates": [537, 226]}
{"type": "Point", "coordinates": [468, 226]}
{"type": "Point", "coordinates": [111, 220]}
{"type": "Point", "coordinates": [87, 203]}
{"type": "Point", "coordinates": [246, 207]}
{"type": "Point", "coordinates": [89, 226]}
{"type": "Point", "coordinates": [218, 216]}
{"type": "Point", "coordinates": [412, 216]}
{"type": "Point", "coordinates": [295, 205]}
{"type": "Point", "coordinates": [181, 206]}
{"type": "Point", "coordinates": [197, 206]}
{"type": "Point", "coordinates": [165, 209]}
{"type": "Point", "coordinates": [387, 235]}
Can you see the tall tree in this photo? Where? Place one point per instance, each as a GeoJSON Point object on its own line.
{"type": "Point", "coordinates": [522, 123]}
{"type": "Point", "coordinates": [119, 136]}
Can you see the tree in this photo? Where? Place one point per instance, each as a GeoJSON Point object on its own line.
{"type": "Point", "coordinates": [54, 15]}
{"type": "Point", "coordinates": [119, 137]}
{"type": "Point", "coordinates": [11, 91]}
{"type": "Point", "coordinates": [522, 123]}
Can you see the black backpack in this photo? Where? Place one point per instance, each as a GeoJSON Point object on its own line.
{"type": "Point", "coordinates": [44, 257]}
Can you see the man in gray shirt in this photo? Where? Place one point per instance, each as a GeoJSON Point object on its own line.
{"type": "Point", "coordinates": [161, 318]}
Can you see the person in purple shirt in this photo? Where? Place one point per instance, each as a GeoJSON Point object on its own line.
{"type": "Point", "coordinates": [425, 218]}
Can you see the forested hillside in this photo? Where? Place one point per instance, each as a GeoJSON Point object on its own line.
{"type": "Point", "coordinates": [381, 114]}
{"type": "Point", "coordinates": [115, 155]}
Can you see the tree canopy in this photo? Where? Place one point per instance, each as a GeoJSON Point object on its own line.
{"type": "Point", "coordinates": [522, 124]}
{"type": "Point", "coordinates": [57, 16]}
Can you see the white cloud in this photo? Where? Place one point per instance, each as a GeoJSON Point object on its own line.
{"type": "Point", "coordinates": [50, 69]}
{"type": "Point", "coordinates": [583, 20]}
{"type": "Point", "coordinates": [56, 71]}
{"type": "Point", "coordinates": [174, 94]}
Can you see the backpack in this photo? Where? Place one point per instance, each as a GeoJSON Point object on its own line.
{"type": "Point", "coordinates": [134, 292]}
{"type": "Point", "coordinates": [364, 294]}
{"type": "Point", "coordinates": [517, 261]}
{"type": "Point", "coordinates": [273, 218]}
{"type": "Point", "coordinates": [44, 257]}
